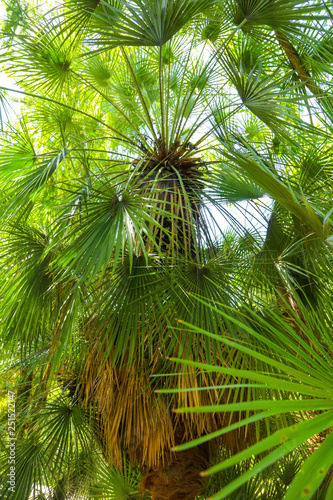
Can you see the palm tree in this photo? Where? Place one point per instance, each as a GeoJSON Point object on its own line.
{"type": "Point", "coordinates": [142, 123]}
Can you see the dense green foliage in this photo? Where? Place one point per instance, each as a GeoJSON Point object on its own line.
{"type": "Point", "coordinates": [166, 248]}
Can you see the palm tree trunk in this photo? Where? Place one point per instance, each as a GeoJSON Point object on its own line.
{"type": "Point", "coordinates": [179, 479]}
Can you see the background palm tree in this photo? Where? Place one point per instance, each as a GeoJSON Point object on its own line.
{"type": "Point", "coordinates": [143, 123]}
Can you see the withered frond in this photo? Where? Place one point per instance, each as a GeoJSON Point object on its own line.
{"type": "Point", "coordinates": [134, 418]}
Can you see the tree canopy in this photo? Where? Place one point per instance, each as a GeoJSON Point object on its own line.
{"type": "Point", "coordinates": [166, 249]}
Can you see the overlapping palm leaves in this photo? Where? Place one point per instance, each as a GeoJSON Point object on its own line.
{"type": "Point", "coordinates": [303, 371]}
{"type": "Point", "coordinates": [133, 131]}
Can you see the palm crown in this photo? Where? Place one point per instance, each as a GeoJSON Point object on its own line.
{"type": "Point", "coordinates": [142, 123]}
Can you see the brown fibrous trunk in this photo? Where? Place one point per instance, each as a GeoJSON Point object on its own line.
{"type": "Point", "coordinates": [180, 478]}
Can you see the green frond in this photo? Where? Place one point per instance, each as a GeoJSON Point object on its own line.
{"type": "Point", "coordinates": [316, 396]}
{"type": "Point", "coordinates": [166, 258]}
{"type": "Point", "coordinates": [143, 23]}
{"type": "Point", "coordinates": [278, 14]}
{"type": "Point", "coordinates": [32, 179]}
{"type": "Point", "coordinates": [114, 484]}
{"type": "Point", "coordinates": [50, 53]}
